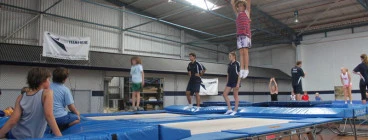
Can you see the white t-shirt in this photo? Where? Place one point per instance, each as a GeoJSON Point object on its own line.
{"type": "Point", "coordinates": [292, 97]}
{"type": "Point", "coordinates": [136, 72]}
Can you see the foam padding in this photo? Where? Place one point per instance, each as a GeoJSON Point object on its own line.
{"type": "Point", "coordinates": [3, 121]}
{"type": "Point", "coordinates": [202, 110]}
{"type": "Point", "coordinates": [106, 114]}
{"type": "Point", "coordinates": [317, 120]}
{"type": "Point", "coordinates": [157, 121]}
{"type": "Point", "coordinates": [268, 129]}
{"type": "Point", "coordinates": [274, 112]}
{"type": "Point", "coordinates": [216, 136]}
{"type": "Point", "coordinates": [151, 112]}
{"type": "Point", "coordinates": [170, 133]}
{"type": "Point", "coordinates": [108, 129]}
{"type": "Point", "coordinates": [291, 104]}
{"type": "Point", "coordinates": [213, 116]}
{"type": "Point", "coordinates": [241, 104]}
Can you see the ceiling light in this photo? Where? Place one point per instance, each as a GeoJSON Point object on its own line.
{"type": "Point", "coordinates": [296, 14]}
{"type": "Point", "coordinates": [202, 4]}
{"type": "Point", "coordinates": [170, 1]}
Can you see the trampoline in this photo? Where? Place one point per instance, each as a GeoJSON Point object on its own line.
{"type": "Point", "coordinates": [253, 122]}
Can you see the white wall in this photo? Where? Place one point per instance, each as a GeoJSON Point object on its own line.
{"type": "Point", "coordinates": [281, 57]}
{"type": "Point", "coordinates": [103, 39]}
{"type": "Point", "coordinates": [324, 56]}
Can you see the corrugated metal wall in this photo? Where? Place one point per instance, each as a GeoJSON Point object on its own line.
{"type": "Point", "coordinates": [103, 39]}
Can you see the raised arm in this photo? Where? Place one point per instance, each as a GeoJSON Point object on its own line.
{"type": "Point", "coordinates": [270, 86]}
{"type": "Point", "coordinates": [277, 87]}
{"type": "Point", "coordinates": [249, 5]}
{"type": "Point", "coordinates": [234, 6]}
{"type": "Point", "coordinates": [14, 118]}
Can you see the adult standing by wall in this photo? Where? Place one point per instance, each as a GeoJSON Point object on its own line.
{"type": "Point", "coordinates": [297, 74]}
{"type": "Point", "coordinates": [195, 70]}
{"type": "Point", "coordinates": [362, 71]}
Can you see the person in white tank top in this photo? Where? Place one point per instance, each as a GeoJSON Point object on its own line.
{"type": "Point", "coordinates": [347, 85]}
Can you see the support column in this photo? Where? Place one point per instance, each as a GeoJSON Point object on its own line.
{"type": "Point", "coordinates": [182, 46]}
{"type": "Point", "coordinates": [121, 32]}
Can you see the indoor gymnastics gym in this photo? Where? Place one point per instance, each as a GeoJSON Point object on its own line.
{"type": "Point", "coordinates": [184, 69]}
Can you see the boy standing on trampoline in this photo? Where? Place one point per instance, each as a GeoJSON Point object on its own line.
{"type": "Point", "coordinates": [243, 33]}
{"type": "Point", "coordinates": [195, 70]}
{"type": "Point", "coordinates": [297, 74]}
{"type": "Point", "coordinates": [137, 74]}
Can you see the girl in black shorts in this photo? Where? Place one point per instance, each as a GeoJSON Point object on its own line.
{"type": "Point", "coordinates": [233, 82]}
{"type": "Point", "coordinates": [362, 71]}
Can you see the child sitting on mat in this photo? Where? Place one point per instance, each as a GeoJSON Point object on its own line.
{"type": "Point", "coordinates": [137, 74]}
{"type": "Point", "coordinates": [63, 98]}
{"type": "Point", "coordinates": [33, 109]}
{"type": "Point", "coordinates": [305, 97]}
{"type": "Point", "coordinates": [318, 98]}
{"type": "Point", "coordinates": [243, 33]}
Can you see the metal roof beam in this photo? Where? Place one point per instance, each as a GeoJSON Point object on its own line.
{"type": "Point", "coordinates": [364, 3]}
{"type": "Point", "coordinates": [149, 17]}
{"type": "Point", "coordinates": [163, 17]}
{"type": "Point", "coordinates": [108, 26]}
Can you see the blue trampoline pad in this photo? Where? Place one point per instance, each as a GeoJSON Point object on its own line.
{"type": "Point", "coordinates": [317, 120]}
{"type": "Point", "coordinates": [216, 136]}
{"type": "Point", "coordinates": [268, 129]}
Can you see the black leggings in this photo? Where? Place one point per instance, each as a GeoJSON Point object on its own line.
{"type": "Point", "coordinates": [363, 89]}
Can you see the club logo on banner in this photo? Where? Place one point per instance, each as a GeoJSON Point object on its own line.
{"type": "Point", "coordinates": [61, 47]}
{"type": "Point", "coordinates": [209, 87]}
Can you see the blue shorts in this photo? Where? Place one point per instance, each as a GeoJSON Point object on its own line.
{"type": "Point", "coordinates": [63, 122]}
{"type": "Point", "coordinates": [194, 85]}
{"type": "Point", "coordinates": [9, 135]}
{"type": "Point", "coordinates": [232, 84]}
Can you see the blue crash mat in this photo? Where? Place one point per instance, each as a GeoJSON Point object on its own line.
{"type": "Point", "coordinates": [317, 120]}
{"type": "Point", "coordinates": [308, 112]}
{"type": "Point", "coordinates": [268, 129]}
{"type": "Point", "coordinates": [156, 121]}
{"type": "Point", "coordinates": [3, 121]}
{"type": "Point", "coordinates": [216, 136]}
{"type": "Point", "coordinates": [291, 104]}
{"type": "Point", "coordinates": [203, 110]}
{"type": "Point", "coordinates": [106, 129]}
{"type": "Point", "coordinates": [170, 133]}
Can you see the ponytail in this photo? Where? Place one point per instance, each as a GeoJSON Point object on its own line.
{"type": "Point", "coordinates": [365, 58]}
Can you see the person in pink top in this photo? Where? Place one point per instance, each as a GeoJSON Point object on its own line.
{"type": "Point", "coordinates": [243, 33]}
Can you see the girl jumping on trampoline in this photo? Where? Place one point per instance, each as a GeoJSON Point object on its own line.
{"type": "Point", "coordinates": [243, 32]}
{"type": "Point", "coordinates": [233, 83]}
{"type": "Point", "coordinates": [137, 74]}
{"type": "Point", "coordinates": [347, 84]}
{"type": "Point", "coordinates": [274, 90]}
{"type": "Point", "coordinates": [362, 71]}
